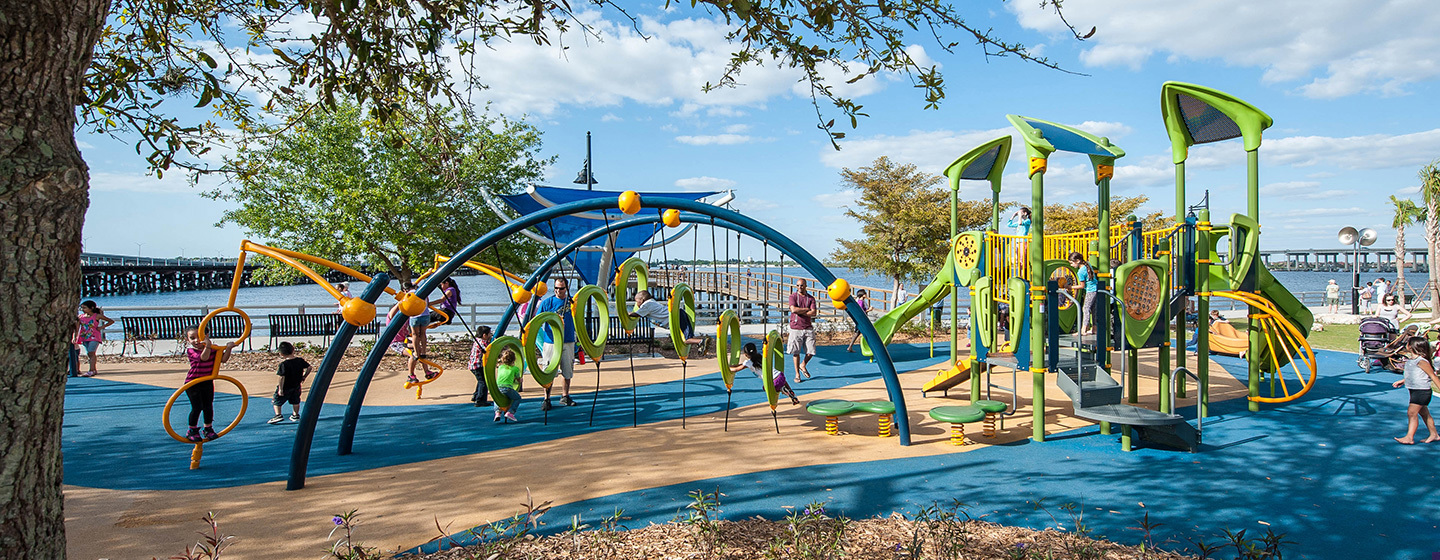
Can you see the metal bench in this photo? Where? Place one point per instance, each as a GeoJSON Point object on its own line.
{"type": "Point", "coordinates": [173, 327]}
{"type": "Point", "coordinates": [644, 332]}
{"type": "Point", "coordinates": [155, 327]}
{"type": "Point", "coordinates": [313, 324]}
{"type": "Point", "coordinates": [304, 324]}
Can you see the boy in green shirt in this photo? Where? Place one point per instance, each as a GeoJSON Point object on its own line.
{"type": "Point", "coordinates": [507, 380]}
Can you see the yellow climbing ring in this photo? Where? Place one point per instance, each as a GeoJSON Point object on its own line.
{"type": "Point", "coordinates": [420, 383]}
{"type": "Point", "coordinates": [199, 445]}
{"type": "Point", "coordinates": [1280, 336]}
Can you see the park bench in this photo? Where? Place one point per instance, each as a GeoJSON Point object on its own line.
{"type": "Point", "coordinates": [644, 332]}
{"type": "Point", "coordinates": [172, 327]}
{"type": "Point", "coordinates": [313, 324]}
{"type": "Point", "coordinates": [303, 324]}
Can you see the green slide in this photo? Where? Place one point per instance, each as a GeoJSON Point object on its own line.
{"type": "Point", "coordinates": [1228, 277]}
{"type": "Point", "coordinates": [938, 289]}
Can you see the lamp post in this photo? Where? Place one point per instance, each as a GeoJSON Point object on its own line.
{"type": "Point", "coordinates": [1356, 239]}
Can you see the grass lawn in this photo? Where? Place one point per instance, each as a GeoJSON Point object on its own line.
{"type": "Point", "coordinates": [1343, 338]}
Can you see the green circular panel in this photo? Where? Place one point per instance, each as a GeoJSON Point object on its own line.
{"type": "Point", "coordinates": [531, 334]}
{"type": "Point", "coordinates": [682, 300]}
{"type": "Point", "coordinates": [636, 267]}
{"type": "Point", "coordinates": [876, 407]}
{"type": "Point", "coordinates": [957, 414]}
{"type": "Point", "coordinates": [594, 346]}
{"type": "Point", "coordinates": [991, 406]}
{"type": "Point", "coordinates": [492, 359]}
{"type": "Point", "coordinates": [727, 346]}
{"type": "Point", "coordinates": [772, 361]}
{"type": "Point", "coordinates": [831, 408]}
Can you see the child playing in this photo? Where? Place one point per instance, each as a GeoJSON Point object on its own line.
{"type": "Point", "coordinates": [90, 331]}
{"type": "Point", "coordinates": [659, 314]}
{"type": "Point", "coordinates": [862, 299]}
{"type": "Point", "coordinates": [1419, 378]}
{"type": "Point", "coordinates": [507, 378]}
{"type": "Point", "coordinates": [202, 395]}
{"type": "Point", "coordinates": [292, 371]}
{"type": "Point", "coordinates": [397, 344]}
{"type": "Point", "coordinates": [751, 360]}
{"type": "Point", "coordinates": [477, 364]}
{"type": "Point", "coordinates": [419, 324]}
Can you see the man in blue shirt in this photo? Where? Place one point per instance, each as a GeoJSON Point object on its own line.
{"type": "Point", "coordinates": [559, 302]}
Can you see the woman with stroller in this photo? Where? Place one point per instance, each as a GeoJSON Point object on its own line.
{"type": "Point", "coordinates": [1391, 310]}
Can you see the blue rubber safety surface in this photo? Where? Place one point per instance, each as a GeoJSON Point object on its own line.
{"type": "Point", "coordinates": [112, 436]}
{"type": "Point", "coordinates": [1322, 470]}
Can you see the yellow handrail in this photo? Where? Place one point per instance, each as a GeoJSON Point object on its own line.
{"type": "Point", "coordinates": [1276, 326]}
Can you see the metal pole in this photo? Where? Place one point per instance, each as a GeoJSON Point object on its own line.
{"type": "Point", "coordinates": [589, 165]}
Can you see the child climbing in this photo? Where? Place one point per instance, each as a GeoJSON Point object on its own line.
{"type": "Point", "coordinates": [420, 341]}
{"type": "Point", "coordinates": [507, 379]}
{"type": "Point", "coordinates": [202, 395]}
{"type": "Point", "coordinates": [1020, 220]}
{"type": "Point", "coordinates": [1086, 280]}
{"type": "Point", "coordinates": [659, 314]}
{"type": "Point", "coordinates": [483, 338]}
{"type": "Point", "coordinates": [90, 331]}
{"type": "Point", "coordinates": [1418, 378]}
{"type": "Point", "coordinates": [292, 372]}
{"type": "Point", "coordinates": [862, 299]}
{"type": "Point", "coordinates": [750, 358]}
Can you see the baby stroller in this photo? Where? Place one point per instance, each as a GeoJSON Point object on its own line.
{"type": "Point", "coordinates": [1380, 345]}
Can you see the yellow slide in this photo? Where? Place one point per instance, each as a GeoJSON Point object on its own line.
{"type": "Point", "coordinates": [1224, 339]}
{"type": "Point", "coordinates": [947, 378]}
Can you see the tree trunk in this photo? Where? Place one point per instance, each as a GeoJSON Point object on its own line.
{"type": "Point", "coordinates": [1400, 264]}
{"type": "Point", "coordinates": [47, 46]}
{"type": "Point", "coordinates": [1432, 237]}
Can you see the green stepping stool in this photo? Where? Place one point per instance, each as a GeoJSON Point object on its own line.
{"type": "Point", "coordinates": [993, 411]}
{"type": "Point", "coordinates": [832, 410]}
{"type": "Point", "coordinates": [884, 408]}
{"type": "Point", "coordinates": [957, 417]}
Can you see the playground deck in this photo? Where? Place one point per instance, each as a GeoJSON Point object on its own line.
{"type": "Point", "coordinates": [1306, 468]}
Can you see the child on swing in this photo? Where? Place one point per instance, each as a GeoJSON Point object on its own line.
{"type": "Point", "coordinates": [751, 360]}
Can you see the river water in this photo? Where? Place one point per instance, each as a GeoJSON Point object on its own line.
{"type": "Point", "coordinates": [483, 289]}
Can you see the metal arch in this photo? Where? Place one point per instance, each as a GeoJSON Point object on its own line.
{"type": "Point", "coordinates": [299, 460]}
{"type": "Point", "coordinates": [543, 271]}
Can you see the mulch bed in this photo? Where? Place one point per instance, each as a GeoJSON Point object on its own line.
{"type": "Point", "coordinates": [759, 539]}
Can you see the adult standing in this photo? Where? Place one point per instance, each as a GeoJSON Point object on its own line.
{"type": "Point", "coordinates": [1366, 294]}
{"type": "Point", "coordinates": [559, 302]}
{"type": "Point", "coordinates": [1381, 288]}
{"type": "Point", "coordinates": [1332, 296]}
{"type": "Point", "coordinates": [801, 343]}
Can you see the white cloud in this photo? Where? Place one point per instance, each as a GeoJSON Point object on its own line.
{"type": "Point", "coordinates": [703, 184]}
{"type": "Point", "coordinates": [714, 139]}
{"type": "Point", "coordinates": [839, 199]}
{"type": "Point", "coordinates": [172, 183]}
{"type": "Point", "coordinates": [929, 150]}
{"type": "Point", "coordinates": [737, 129]}
{"type": "Point", "coordinates": [610, 117]}
{"type": "Point", "coordinates": [755, 205]}
{"type": "Point", "coordinates": [1310, 190]}
{"type": "Point", "coordinates": [664, 63]}
{"type": "Point", "coordinates": [1331, 48]}
{"type": "Point", "coordinates": [1374, 151]}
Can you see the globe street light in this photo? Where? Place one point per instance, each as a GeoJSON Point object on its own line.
{"type": "Point", "coordinates": [1356, 239]}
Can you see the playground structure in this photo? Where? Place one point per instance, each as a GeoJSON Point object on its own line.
{"type": "Point", "coordinates": [1028, 275]}
{"type": "Point", "coordinates": [1161, 269]}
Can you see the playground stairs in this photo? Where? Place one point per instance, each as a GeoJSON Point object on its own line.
{"type": "Point", "coordinates": [1099, 397]}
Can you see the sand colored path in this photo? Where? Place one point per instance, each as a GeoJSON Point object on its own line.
{"type": "Point", "coordinates": [403, 503]}
{"type": "Point", "coordinates": [386, 389]}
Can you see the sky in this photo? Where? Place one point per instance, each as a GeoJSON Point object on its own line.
{"type": "Point", "coordinates": [1351, 86]}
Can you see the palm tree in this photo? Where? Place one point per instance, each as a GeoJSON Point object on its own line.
{"type": "Point", "coordinates": [1430, 193]}
{"type": "Point", "coordinates": [1406, 212]}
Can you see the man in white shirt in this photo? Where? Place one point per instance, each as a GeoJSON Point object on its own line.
{"type": "Point", "coordinates": [1381, 287]}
